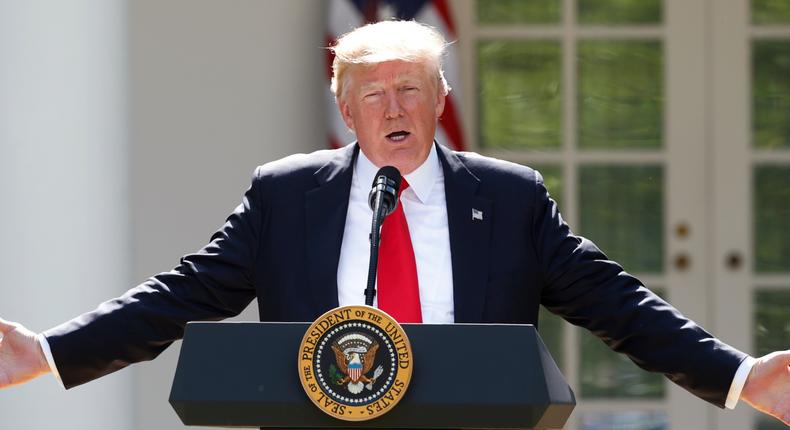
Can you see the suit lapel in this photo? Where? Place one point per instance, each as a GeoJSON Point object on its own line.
{"type": "Point", "coordinates": [469, 223]}
{"type": "Point", "coordinates": [325, 217]}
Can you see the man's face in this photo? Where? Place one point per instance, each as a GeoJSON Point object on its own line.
{"type": "Point", "coordinates": [393, 108]}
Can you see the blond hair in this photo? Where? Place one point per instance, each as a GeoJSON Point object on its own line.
{"type": "Point", "coordinates": [388, 41]}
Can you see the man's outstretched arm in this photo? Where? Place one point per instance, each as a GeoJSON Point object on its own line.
{"type": "Point", "coordinates": [653, 334]}
{"type": "Point", "coordinates": [21, 357]}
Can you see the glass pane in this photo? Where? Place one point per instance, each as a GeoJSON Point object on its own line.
{"type": "Point", "coordinates": [771, 208]}
{"type": "Point", "coordinates": [622, 211]}
{"type": "Point", "coordinates": [770, 11]}
{"type": "Point", "coordinates": [633, 420]}
{"type": "Point", "coordinates": [621, 90]}
{"type": "Point", "coordinates": [552, 329]}
{"type": "Point", "coordinates": [519, 90]}
{"type": "Point", "coordinates": [772, 321]}
{"type": "Point", "coordinates": [518, 11]}
{"type": "Point", "coordinates": [771, 94]}
{"type": "Point", "coordinates": [552, 178]}
{"type": "Point", "coordinates": [619, 11]}
{"type": "Point", "coordinates": [608, 374]}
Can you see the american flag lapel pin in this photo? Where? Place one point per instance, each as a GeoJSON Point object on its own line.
{"type": "Point", "coordinates": [477, 215]}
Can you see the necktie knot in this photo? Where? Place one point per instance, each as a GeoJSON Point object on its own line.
{"type": "Point", "coordinates": [403, 185]}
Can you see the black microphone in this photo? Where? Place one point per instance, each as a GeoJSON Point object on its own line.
{"type": "Point", "coordinates": [383, 199]}
{"type": "Point", "coordinates": [384, 193]}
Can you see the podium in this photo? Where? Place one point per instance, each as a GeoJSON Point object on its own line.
{"type": "Point", "coordinates": [466, 376]}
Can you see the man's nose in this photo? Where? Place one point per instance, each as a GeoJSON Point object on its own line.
{"type": "Point", "coordinates": [394, 108]}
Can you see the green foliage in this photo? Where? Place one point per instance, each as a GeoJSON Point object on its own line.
{"type": "Point", "coordinates": [771, 321]}
{"type": "Point", "coordinates": [518, 11]}
{"type": "Point", "coordinates": [619, 11]}
{"type": "Point", "coordinates": [770, 12]}
{"type": "Point", "coordinates": [519, 94]}
{"type": "Point", "coordinates": [551, 329]}
{"type": "Point", "coordinates": [771, 208]}
{"type": "Point", "coordinates": [607, 374]}
{"type": "Point", "coordinates": [552, 178]}
{"type": "Point", "coordinates": [771, 94]}
{"type": "Point", "coordinates": [622, 211]}
{"type": "Point", "coordinates": [334, 374]}
{"type": "Point", "coordinates": [621, 95]}
{"type": "Point", "coordinates": [593, 12]}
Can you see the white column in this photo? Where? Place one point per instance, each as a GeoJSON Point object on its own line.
{"type": "Point", "coordinates": [64, 191]}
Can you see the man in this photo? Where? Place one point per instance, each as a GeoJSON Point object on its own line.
{"type": "Point", "coordinates": [489, 246]}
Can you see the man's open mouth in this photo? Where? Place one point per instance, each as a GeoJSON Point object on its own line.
{"type": "Point", "coordinates": [397, 136]}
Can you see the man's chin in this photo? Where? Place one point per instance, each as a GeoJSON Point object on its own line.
{"type": "Point", "coordinates": [405, 158]}
{"type": "Point", "coordinates": [406, 165]}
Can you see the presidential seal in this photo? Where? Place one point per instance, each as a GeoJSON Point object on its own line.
{"type": "Point", "coordinates": [355, 363]}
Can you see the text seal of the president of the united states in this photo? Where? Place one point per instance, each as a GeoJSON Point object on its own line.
{"type": "Point", "coordinates": [355, 363]}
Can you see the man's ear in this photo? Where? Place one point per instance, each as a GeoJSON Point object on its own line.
{"type": "Point", "coordinates": [345, 112]}
{"type": "Point", "coordinates": [440, 99]}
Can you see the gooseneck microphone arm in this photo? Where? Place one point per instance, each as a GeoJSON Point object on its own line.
{"type": "Point", "coordinates": [375, 238]}
{"type": "Point", "coordinates": [383, 199]}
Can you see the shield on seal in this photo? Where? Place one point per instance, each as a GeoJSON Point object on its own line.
{"type": "Point", "coordinates": [355, 371]}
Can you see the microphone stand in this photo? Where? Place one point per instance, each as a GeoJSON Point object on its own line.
{"type": "Point", "coordinates": [375, 239]}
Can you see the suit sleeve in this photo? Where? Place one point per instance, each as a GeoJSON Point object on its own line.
{"type": "Point", "coordinates": [588, 290]}
{"type": "Point", "coordinates": [212, 284]}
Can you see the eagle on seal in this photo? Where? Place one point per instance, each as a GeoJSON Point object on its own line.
{"type": "Point", "coordinates": [355, 363]}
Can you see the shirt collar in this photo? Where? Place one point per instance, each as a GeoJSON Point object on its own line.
{"type": "Point", "coordinates": [421, 180]}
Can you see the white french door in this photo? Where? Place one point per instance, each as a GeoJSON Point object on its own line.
{"type": "Point", "coordinates": [644, 119]}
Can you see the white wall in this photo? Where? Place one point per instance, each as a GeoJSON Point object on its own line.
{"type": "Point", "coordinates": [217, 89]}
{"type": "Point", "coordinates": [128, 132]}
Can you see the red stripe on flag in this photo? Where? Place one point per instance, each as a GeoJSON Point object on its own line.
{"type": "Point", "coordinates": [333, 142]}
{"type": "Point", "coordinates": [444, 12]}
{"type": "Point", "coordinates": [451, 124]}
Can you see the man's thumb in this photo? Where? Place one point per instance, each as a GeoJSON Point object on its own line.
{"type": "Point", "coordinates": [6, 326]}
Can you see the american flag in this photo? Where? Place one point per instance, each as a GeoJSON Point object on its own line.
{"type": "Point", "coordinates": [345, 15]}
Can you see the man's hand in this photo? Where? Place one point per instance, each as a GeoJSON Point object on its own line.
{"type": "Point", "coordinates": [21, 357]}
{"type": "Point", "coordinates": [767, 388]}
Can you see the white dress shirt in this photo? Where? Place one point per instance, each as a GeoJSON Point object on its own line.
{"type": "Point", "coordinates": [425, 207]}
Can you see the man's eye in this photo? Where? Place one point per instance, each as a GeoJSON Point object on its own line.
{"type": "Point", "coordinates": [373, 94]}
{"type": "Point", "coordinates": [410, 88]}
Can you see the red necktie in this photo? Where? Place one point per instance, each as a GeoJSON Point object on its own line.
{"type": "Point", "coordinates": [398, 292]}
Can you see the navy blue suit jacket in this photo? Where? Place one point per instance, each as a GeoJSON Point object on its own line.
{"type": "Point", "coordinates": [282, 245]}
